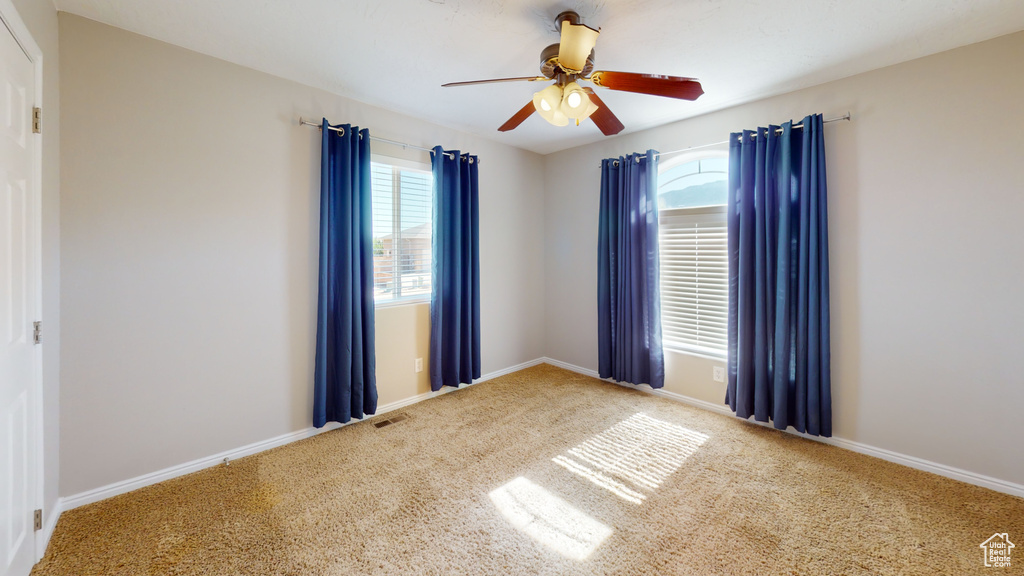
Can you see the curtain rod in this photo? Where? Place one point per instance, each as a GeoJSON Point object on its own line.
{"type": "Point", "coordinates": [777, 131]}
{"type": "Point", "coordinates": [304, 122]}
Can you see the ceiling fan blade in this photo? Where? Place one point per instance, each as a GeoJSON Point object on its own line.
{"type": "Point", "coordinates": [495, 80]}
{"type": "Point", "coordinates": [654, 84]}
{"type": "Point", "coordinates": [577, 42]}
{"type": "Point", "coordinates": [603, 117]}
{"type": "Point", "coordinates": [524, 113]}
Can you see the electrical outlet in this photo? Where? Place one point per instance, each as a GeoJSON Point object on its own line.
{"type": "Point", "coordinates": [718, 373]}
{"type": "Point", "coordinates": [419, 364]}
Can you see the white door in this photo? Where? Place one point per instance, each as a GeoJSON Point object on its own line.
{"type": "Point", "coordinates": [17, 309]}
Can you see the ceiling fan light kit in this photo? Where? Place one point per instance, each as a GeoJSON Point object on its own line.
{"type": "Point", "coordinates": [548, 103]}
{"type": "Point", "coordinates": [572, 59]}
{"type": "Point", "coordinates": [575, 102]}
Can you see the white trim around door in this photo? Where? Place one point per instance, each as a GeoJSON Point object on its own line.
{"type": "Point", "coordinates": [12, 20]}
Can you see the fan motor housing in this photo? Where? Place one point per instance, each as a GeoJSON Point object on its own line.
{"type": "Point", "coordinates": [549, 63]}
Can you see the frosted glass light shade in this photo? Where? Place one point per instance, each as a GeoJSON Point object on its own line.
{"type": "Point", "coordinates": [591, 108]}
{"type": "Point", "coordinates": [577, 42]}
{"type": "Point", "coordinates": [559, 119]}
{"type": "Point", "coordinates": [548, 103]}
{"type": "Point", "coordinates": [574, 101]}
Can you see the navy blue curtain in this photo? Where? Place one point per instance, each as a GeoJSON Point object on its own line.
{"type": "Point", "coordinates": [455, 286]}
{"type": "Point", "coordinates": [628, 297]}
{"type": "Point", "coordinates": [344, 384]}
{"type": "Point", "coordinates": [779, 365]}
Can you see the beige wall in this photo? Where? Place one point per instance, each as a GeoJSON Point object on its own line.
{"type": "Point", "coordinates": [926, 192]}
{"type": "Point", "coordinates": [40, 17]}
{"type": "Point", "coordinates": [189, 223]}
{"type": "Point", "coordinates": [188, 237]}
{"type": "Point", "coordinates": [403, 335]}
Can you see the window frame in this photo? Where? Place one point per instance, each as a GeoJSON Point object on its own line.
{"type": "Point", "coordinates": [714, 153]}
{"type": "Point", "coordinates": [398, 165]}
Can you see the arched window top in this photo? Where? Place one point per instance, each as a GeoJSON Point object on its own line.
{"type": "Point", "coordinates": [693, 243]}
{"type": "Point", "coordinates": [691, 182]}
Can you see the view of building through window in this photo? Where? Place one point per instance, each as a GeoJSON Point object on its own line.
{"type": "Point", "coordinates": [402, 227]}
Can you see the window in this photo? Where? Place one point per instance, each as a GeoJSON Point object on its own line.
{"type": "Point", "coordinates": [694, 259]}
{"type": "Point", "coordinates": [402, 211]}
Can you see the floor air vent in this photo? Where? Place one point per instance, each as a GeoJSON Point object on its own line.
{"type": "Point", "coordinates": [392, 420]}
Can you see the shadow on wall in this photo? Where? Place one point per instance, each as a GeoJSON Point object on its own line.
{"type": "Point", "coordinates": [302, 238]}
{"type": "Point", "coordinates": [844, 274]}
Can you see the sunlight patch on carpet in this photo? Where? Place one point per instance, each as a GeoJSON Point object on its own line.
{"type": "Point", "coordinates": [641, 451]}
{"type": "Point", "coordinates": [607, 482]}
{"type": "Point", "coordinates": [548, 519]}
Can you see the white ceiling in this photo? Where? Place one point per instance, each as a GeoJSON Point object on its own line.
{"type": "Point", "coordinates": [397, 53]}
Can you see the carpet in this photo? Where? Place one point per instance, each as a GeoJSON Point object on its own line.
{"type": "Point", "coordinates": [543, 471]}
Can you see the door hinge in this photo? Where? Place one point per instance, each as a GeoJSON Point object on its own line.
{"type": "Point", "coordinates": [37, 332]}
{"type": "Point", "coordinates": [37, 120]}
{"type": "Point", "coordinates": [39, 520]}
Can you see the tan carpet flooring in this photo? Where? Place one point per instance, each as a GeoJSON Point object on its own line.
{"type": "Point", "coordinates": [544, 472]}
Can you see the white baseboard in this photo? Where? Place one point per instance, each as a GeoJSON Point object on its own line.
{"type": "Point", "coordinates": [104, 492]}
{"type": "Point", "coordinates": [967, 476]}
{"type": "Point", "coordinates": [574, 368]}
{"type": "Point", "coordinates": [124, 486]}
{"type": "Point", "coordinates": [510, 369]}
{"type": "Point", "coordinates": [50, 522]}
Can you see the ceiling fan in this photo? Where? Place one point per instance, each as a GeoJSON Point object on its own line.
{"type": "Point", "coordinates": [572, 59]}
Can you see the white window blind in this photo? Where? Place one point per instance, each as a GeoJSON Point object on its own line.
{"type": "Point", "coordinates": [694, 279]}
{"type": "Point", "coordinates": [402, 228]}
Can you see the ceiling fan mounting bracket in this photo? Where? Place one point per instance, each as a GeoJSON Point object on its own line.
{"type": "Point", "coordinates": [569, 16]}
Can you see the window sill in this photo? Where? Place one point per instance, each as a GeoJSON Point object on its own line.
{"type": "Point", "coordinates": [397, 303]}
